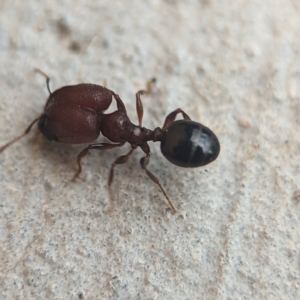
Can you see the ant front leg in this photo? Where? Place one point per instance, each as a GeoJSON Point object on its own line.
{"type": "Point", "coordinates": [144, 162]}
{"type": "Point", "coordinates": [171, 117]}
{"type": "Point", "coordinates": [139, 105]}
{"type": "Point", "coordinates": [120, 104]}
{"type": "Point", "coordinates": [84, 152]}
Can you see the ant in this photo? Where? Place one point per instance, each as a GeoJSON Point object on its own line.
{"type": "Point", "coordinates": [75, 114]}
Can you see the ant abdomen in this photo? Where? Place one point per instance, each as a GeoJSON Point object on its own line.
{"type": "Point", "coordinates": [189, 144]}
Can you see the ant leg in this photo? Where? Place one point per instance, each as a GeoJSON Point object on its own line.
{"type": "Point", "coordinates": [139, 105]}
{"type": "Point", "coordinates": [144, 162]}
{"type": "Point", "coordinates": [120, 103]}
{"type": "Point", "coordinates": [84, 152]}
{"type": "Point", "coordinates": [120, 160]}
{"type": "Point", "coordinates": [171, 117]}
{"type": "Point", "coordinates": [46, 76]}
{"type": "Point", "coordinates": [20, 136]}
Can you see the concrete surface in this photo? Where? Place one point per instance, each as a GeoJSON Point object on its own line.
{"type": "Point", "coordinates": [233, 66]}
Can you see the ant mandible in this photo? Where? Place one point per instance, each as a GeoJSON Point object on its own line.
{"type": "Point", "coordinates": [74, 115]}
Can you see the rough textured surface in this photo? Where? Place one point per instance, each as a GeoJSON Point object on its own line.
{"type": "Point", "coordinates": [232, 65]}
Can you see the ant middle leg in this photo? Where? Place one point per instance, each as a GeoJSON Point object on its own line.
{"type": "Point", "coordinates": [139, 105]}
{"type": "Point", "coordinates": [84, 152]}
{"type": "Point", "coordinates": [144, 162]}
{"type": "Point", "coordinates": [120, 160]}
{"type": "Point", "coordinates": [171, 117]}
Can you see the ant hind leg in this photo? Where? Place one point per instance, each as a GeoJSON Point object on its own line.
{"type": "Point", "coordinates": [144, 162]}
{"type": "Point", "coordinates": [171, 117]}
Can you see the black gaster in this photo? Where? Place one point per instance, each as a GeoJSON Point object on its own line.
{"type": "Point", "coordinates": [189, 144]}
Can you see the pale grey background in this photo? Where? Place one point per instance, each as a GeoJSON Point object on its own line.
{"type": "Point", "coordinates": [233, 66]}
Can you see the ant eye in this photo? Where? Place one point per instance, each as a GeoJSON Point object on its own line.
{"type": "Point", "coordinates": [189, 144]}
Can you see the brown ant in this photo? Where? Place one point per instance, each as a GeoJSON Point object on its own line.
{"type": "Point", "coordinates": [75, 115]}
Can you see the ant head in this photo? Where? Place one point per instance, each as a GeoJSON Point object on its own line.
{"type": "Point", "coordinates": [189, 144]}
